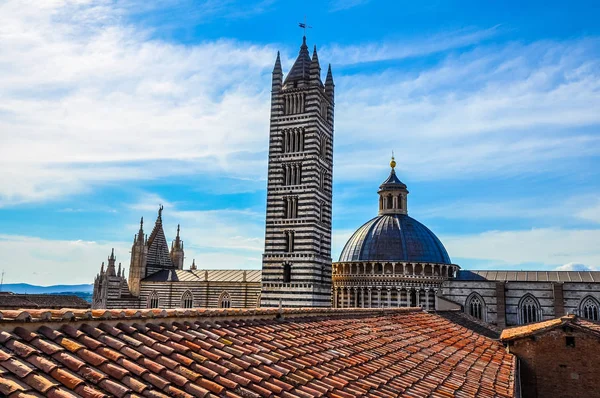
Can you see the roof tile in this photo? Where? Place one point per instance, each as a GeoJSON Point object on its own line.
{"type": "Point", "coordinates": [309, 353]}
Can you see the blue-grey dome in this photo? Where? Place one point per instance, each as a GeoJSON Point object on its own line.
{"type": "Point", "coordinates": [395, 237]}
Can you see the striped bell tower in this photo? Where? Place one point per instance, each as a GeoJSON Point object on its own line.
{"type": "Point", "coordinates": [296, 269]}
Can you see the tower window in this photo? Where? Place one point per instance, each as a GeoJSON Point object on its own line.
{"type": "Point", "coordinates": [294, 102]}
{"type": "Point", "coordinates": [476, 306]}
{"type": "Point", "coordinates": [224, 300]}
{"type": "Point", "coordinates": [187, 300]}
{"type": "Point", "coordinates": [290, 207]}
{"type": "Point", "coordinates": [293, 140]}
{"type": "Point", "coordinates": [292, 174]}
{"type": "Point", "coordinates": [570, 341]}
{"type": "Point", "coordinates": [289, 241]}
{"type": "Point", "coordinates": [323, 146]}
{"type": "Point", "coordinates": [153, 300]}
{"type": "Point", "coordinates": [287, 272]}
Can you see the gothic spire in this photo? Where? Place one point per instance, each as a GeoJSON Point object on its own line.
{"type": "Point", "coordinates": [301, 68]}
{"type": "Point", "coordinates": [110, 270]}
{"type": "Point", "coordinates": [277, 75]}
{"type": "Point", "coordinates": [329, 86]}
{"type": "Point", "coordinates": [315, 68]}
{"type": "Point", "coordinates": [193, 267]}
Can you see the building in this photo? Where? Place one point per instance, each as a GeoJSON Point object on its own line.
{"type": "Point", "coordinates": [392, 260]}
{"type": "Point", "coordinates": [291, 353]}
{"type": "Point", "coordinates": [557, 358]}
{"type": "Point", "coordinates": [395, 261]}
{"type": "Point", "coordinates": [296, 269]}
{"type": "Point", "coordinates": [157, 278]}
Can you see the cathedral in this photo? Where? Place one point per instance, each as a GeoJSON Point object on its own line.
{"type": "Point", "coordinates": [390, 261]}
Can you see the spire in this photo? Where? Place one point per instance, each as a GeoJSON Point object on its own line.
{"type": "Point", "coordinates": [301, 68]}
{"type": "Point", "coordinates": [140, 234]}
{"type": "Point", "coordinates": [119, 271]}
{"type": "Point", "coordinates": [315, 68]}
{"type": "Point", "coordinates": [159, 218]}
{"type": "Point", "coordinates": [178, 227]}
{"type": "Point", "coordinates": [193, 267]}
{"type": "Point", "coordinates": [110, 270]}
{"type": "Point", "coordinates": [329, 86]}
{"type": "Point", "coordinates": [277, 75]}
{"type": "Point", "coordinates": [102, 268]}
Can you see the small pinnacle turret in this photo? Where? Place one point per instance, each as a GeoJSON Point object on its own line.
{"type": "Point", "coordinates": [329, 86]}
{"type": "Point", "coordinates": [193, 267]}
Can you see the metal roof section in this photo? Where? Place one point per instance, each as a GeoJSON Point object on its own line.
{"type": "Point", "coordinates": [529, 276]}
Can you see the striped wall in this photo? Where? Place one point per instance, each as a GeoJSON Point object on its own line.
{"type": "Point", "coordinates": [306, 110]}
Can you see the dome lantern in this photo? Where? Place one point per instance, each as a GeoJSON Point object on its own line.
{"type": "Point", "coordinates": [393, 194]}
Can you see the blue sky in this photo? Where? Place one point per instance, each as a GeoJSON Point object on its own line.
{"type": "Point", "coordinates": [108, 109]}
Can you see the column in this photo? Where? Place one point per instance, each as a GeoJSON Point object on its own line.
{"type": "Point", "coordinates": [427, 299]}
{"type": "Point", "coordinates": [418, 297]}
{"type": "Point", "coordinates": [389, 297]}
{"type": "Point", "coordinates": [342, 297]}
{"type": "Point", "coordinates": [370, 297]}
{"type": "Point", "coordinates": [335, 298]}
{"type": "Point", "coordinates": [355, 298]}
{"type": "Point", "coordinates": [399, 296]}
{"type": "Point", "coordinates": [379, 296]}
{"type": "Point", "coordinates": [362, 297]}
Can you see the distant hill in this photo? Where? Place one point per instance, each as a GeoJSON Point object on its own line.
{"type": "Point", "coordinates": [34, 289]}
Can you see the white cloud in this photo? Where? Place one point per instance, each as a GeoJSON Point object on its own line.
{"type": "Point", "coordinates": [87, 100]}
{"type": "Point", "coordinates": [543, 247]}
{"type": "Point", "coordinates": [574, 267]}
{"type": "Point", "coordinates": [400, 49]}
{"type": "Point", "coordinates": [48, 261]}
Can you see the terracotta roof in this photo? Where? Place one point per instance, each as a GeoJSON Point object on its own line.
{"type": "Point", "coordinates": [248, 353]}
{"type": "Point", "coordinates": [529, 276]}
{"type": "Point", "coordinates": [531, 329]}
{"type": "Point", "coordinates": [12, 300]}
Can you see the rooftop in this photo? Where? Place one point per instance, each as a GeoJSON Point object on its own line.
{"type": "Point", "coordinates": [531, 329]}
{"type": "Point", "coordinates": [529, 276]}
{"type": "Point", "coordinates": [248, 353]}
{"type": "Point", "coordinates": [13, 301]}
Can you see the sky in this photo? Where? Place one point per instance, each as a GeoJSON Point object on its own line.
{"type": "Point", "coordinates": [108, 109]}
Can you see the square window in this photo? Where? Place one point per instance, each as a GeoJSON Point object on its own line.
{"type": "Point", "coordinates": [570, 341]}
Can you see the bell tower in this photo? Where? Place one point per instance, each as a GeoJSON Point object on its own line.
{"type": "Point", "coordinates": [296, 269]}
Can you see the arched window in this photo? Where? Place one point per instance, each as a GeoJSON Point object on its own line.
{"type": "Point", "coordinates": [390, 202]}
{"type": "Point", "coordinates": [187, 300]}
{"type": "Point", "coordinates": [529, 310]}
{"type": "Point", "coordinates": [475, 306]}
{"type": "Point", "coordinates": [589, 308]}
{"type": "Point", "coordinates": [323, 146]}
{"type": "Point", "coordinates": [224, 300]}
{"type": "Point", "coordinates": [153, 300]}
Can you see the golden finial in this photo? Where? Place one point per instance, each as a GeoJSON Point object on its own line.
{"type": "Point", "coordinates": [393, 162]}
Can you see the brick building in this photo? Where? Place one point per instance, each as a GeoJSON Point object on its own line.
{"type": "Point", "coordinates": [558, 358]}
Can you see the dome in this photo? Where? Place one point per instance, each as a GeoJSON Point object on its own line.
{"type": "Point", "coordinates": [394, 237]}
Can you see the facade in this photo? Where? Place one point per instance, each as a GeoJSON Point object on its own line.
{"type": "Point", "coordinates": [293, 353]}
{"type": "Point", "coordinates": [157, 279]}
{"type": "Point", "coordinates": [296, 267]}
{"type": "Point", "coordinates": [557, 358]}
